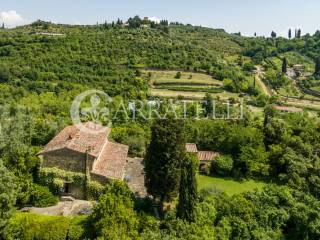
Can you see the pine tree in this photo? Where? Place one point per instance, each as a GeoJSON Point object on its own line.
{"type": "Point", "coordinates": [284, 65]}
{"type": "Point", "coordinates": [188, 196]}
{"type": "Point", "coordinates": [290, 34]}
{"type": "Point", "coordinates": [317, 70]}
{"type": "Point", "coordinates": [163, 159]}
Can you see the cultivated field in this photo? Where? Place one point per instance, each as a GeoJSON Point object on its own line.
{"type": "Point", "coordinates": [187, 78]}
{"type": "Point", "coordinates": [189, 85]}
{"type": "Point", "coordinates": [191, 95]}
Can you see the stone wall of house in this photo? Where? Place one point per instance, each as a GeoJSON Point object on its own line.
{"type": "Point", "coordinates": [77, 192]}
{"type": "Point", "coordinates": [99, 178]}
{"type": "Point", "coordinates": [67, 160]}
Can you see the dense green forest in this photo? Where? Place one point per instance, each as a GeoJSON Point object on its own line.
{"type": "Point", "coordinates": [43, 66]}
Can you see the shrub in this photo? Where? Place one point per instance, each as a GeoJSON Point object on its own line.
{"type": "Point", "coordinates": [249, 67]}
{"type": "Point", "coordinates": [178, 75]}
{"type": "Point", "coordinates": [222, 165]}
{"type": "Point", "coordinates": [191, 89]}
{"type": "Point", "coordinates": [95, 190]}
{"type": "Point", "coordinates": [30, 226]}
{"type": "Point", "coordinates": [114, 217]}
{"type": "Point", "coordinates": [132, 135]}
{"type": "Point", "coordinates": [42, 197]}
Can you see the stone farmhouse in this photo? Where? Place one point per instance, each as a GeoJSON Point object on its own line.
{"type": "Point", "coordinates": [78, 151]}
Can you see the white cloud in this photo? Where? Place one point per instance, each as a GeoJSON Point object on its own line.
{"type": "Point", "coordinates": [155, 19]}
{"type": "Point", "coordinates": [11, 18]}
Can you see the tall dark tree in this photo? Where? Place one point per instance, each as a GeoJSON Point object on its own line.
{"type": "Point", "coordinates": [317, 69]}
{"type": "Point", "coordinates": [290, 34]}
{"type": "Point", "coordinates": [135, 22]}
{"type": "Point", "coordinates": [119, 21]}
{"type": "Point", "coordinates": [208, 105]}
{"type": "Point", "coordinates": [163, 159]}
{"type": "Point", "coordinates": [284, 65]}
{"type": "Point", "coordinates": [188, 196]}
{"type": "Point", "coordinates": [299, 33]}
{"type": "Point", "coordinates": [273, 34]}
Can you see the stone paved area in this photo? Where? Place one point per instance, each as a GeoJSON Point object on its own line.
{"type": "Point", "coordinates": [134, 176]}
{"type": "Point", "coordinates": [72, 208]}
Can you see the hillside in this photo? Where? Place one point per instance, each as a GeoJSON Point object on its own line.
{"type": "Point", "coordinates": [108, 58]}
{"type": "Point", "coordinates": [249, 177]}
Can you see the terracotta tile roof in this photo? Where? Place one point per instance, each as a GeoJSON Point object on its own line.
{"type": "Point", "coordinates": [111, 163]}
{"type": "Point", "coordinates": [202, 155]}
{"type": "Point", "coordinates": [207, 155]}
{"type": "Point", "coordinates": [72, 138]}
{"type": "Point", "coordinates": [191, 148]}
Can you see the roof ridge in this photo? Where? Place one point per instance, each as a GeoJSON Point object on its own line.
{"type": "Point", "coordinates": [100, 153]}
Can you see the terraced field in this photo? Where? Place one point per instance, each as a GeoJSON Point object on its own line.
{"type": "Point", "coordinates": [187, 78]}
{"type": "Point", "coordinates": [188, 85]}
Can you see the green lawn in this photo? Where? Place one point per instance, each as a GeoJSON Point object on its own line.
{"type": "Point", "coordinates": [228, 186]}
{"type": "Point", "coordinates": [167, 77]}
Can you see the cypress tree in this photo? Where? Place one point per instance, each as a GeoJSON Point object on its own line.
{"type": "Point", "coordinates": [163, 159]}
{"type": "Point", "coordinates": [299, 33]}
{"type": "Point", "coordinates": [317, 70]}
{"type": "Point", "coordinates": [290, 34]}
{"type": "Point", "coordinates": [188, 196]}
{"type": "Point", "coordinates": [208, 105]}
{"type": "Point", "coordinates": [284, 65]}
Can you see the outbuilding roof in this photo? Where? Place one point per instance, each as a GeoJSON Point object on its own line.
{"type": "Point", "coordinates": [203, 156]}
{"type": "Point", "coordinates": [191, 148]}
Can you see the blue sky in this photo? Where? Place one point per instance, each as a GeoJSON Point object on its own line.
{"type": "Point", "coordinates": [247, 16]}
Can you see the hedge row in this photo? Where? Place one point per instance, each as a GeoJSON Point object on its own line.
{"type": "Point", "coordinates": [192, 89]}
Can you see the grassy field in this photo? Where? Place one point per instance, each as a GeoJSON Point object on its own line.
{"type": "Point", "coordinates": [191, 88]}
{"type": "Point", "coordinates": [317, 88]}
{"type": "Point", "coordinates": [290, 90]}
{"type": "Point", "coordinates": [168, 77]}
{"type": "Point", "coordinates": [228, 186]}
{"type": "Point", "coordinates": [190, 95]}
